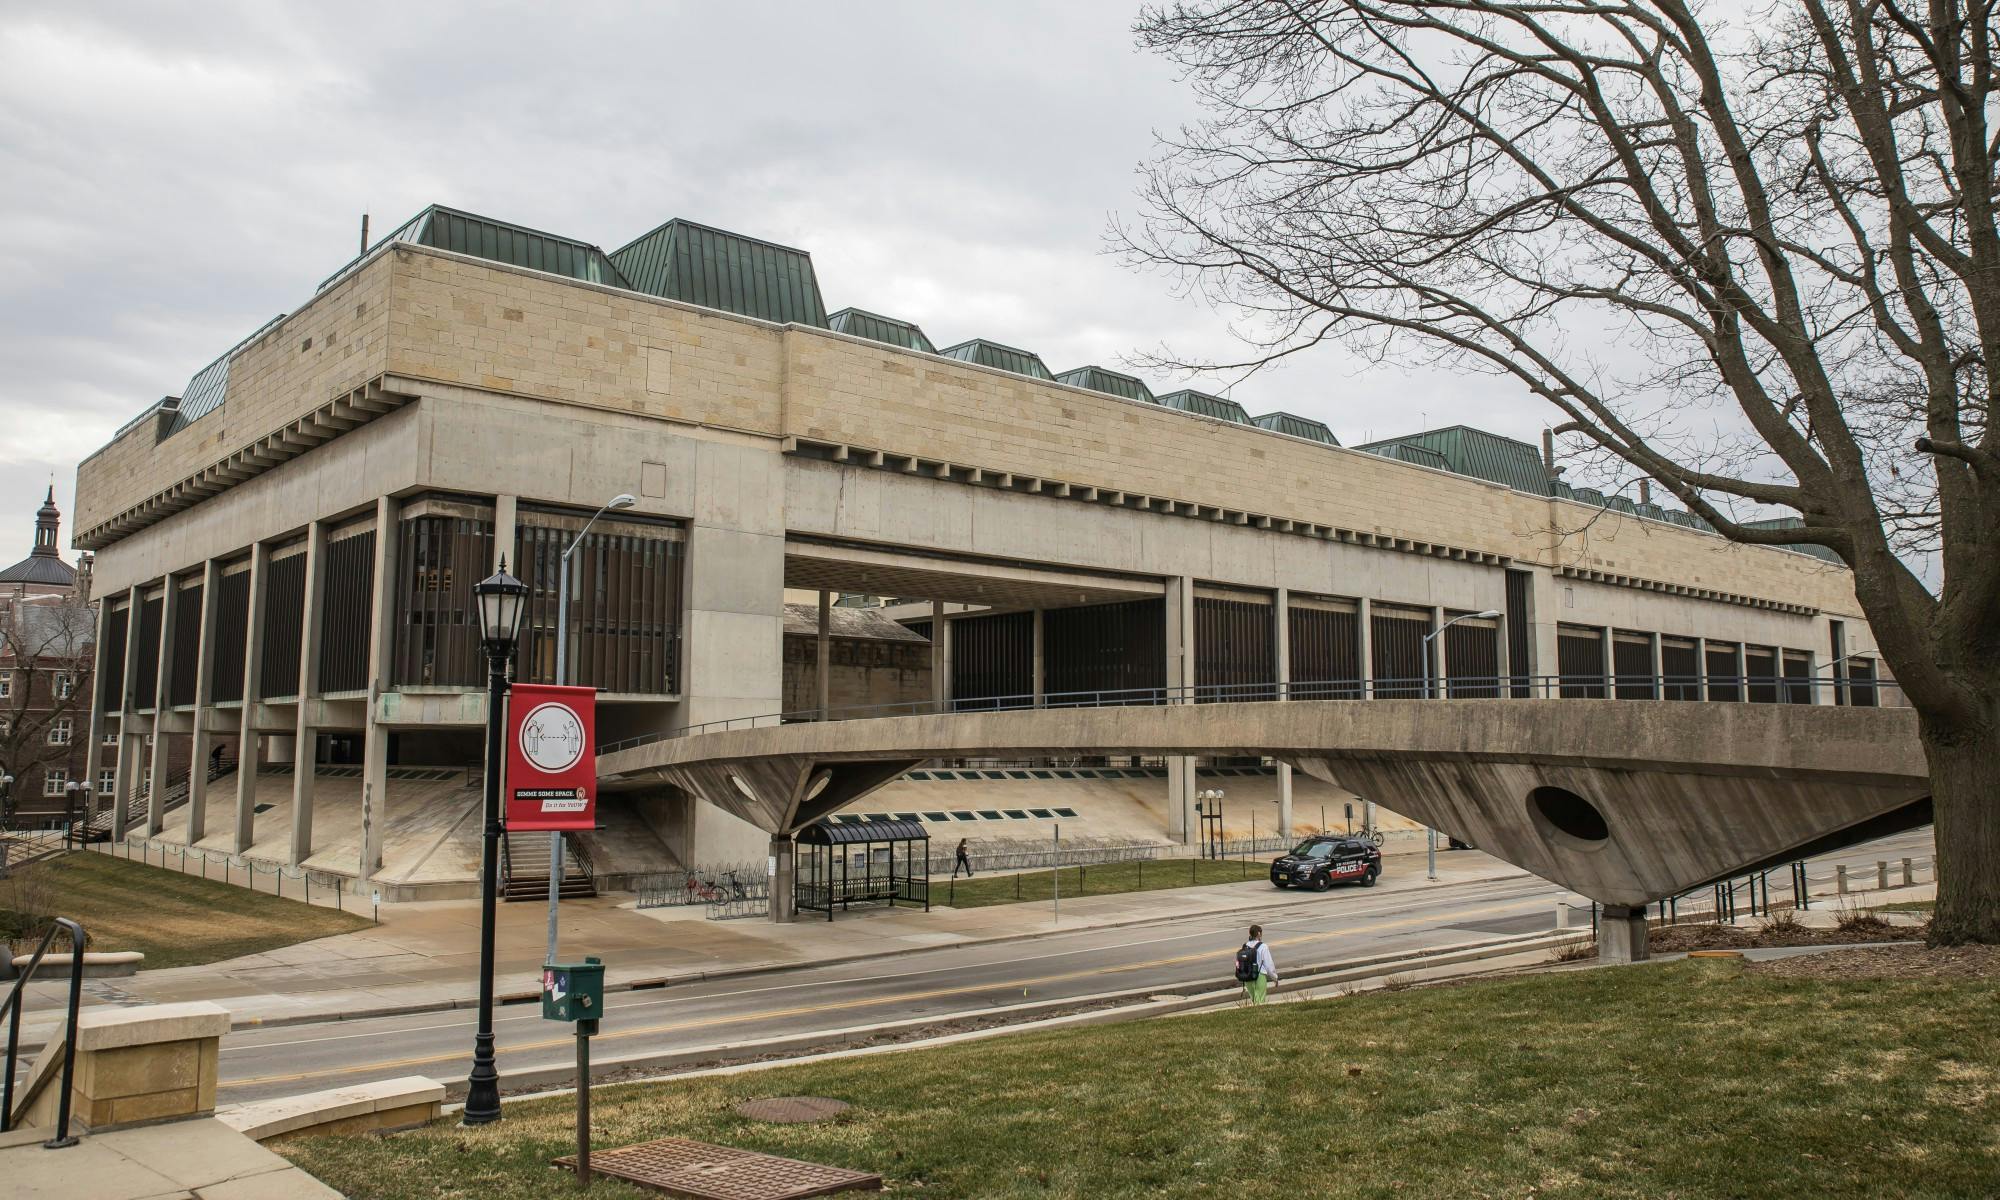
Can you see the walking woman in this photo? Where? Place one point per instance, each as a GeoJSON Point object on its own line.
{"type": "Point", "coordinates": [964, 860]}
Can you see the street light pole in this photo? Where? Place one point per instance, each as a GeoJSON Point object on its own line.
{"type": "Point", "coordinates": [500, 599]}
{"type": "Point", "coordinates": [621, 500]}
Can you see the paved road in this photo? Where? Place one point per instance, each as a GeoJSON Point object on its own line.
{"type": "Point", "coordinates": [1342, 924]}
{"type": "Point", "coordinates": [1345, 923]}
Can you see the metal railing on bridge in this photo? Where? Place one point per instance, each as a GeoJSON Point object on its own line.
{"type": "Point", "coordinates": [1712, 689]}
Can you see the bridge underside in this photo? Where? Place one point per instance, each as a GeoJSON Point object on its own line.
{"type": "Point", "coordinates": [1621, 801]}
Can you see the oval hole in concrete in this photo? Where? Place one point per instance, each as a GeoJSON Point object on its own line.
{"type": "Point", "coordinates": [1566, 812]}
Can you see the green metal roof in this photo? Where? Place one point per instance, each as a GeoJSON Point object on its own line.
{"type": "Point", "coordinates": [878, 328]}
{"type": "Point", "coordinates": [1097, 379]}
{"type": "Point", "coordinates": [1422, 456]}
{"type": "Point", "coordinates": [502, 242]}
{"type": "Point", "coordinates": [1301, 427]}
{"type": "Point", "coordinates": [1188, 400]}
{"type": "Point", "coordinates": [1482, 455]}
{"type": "Point", "coordinates": [1819, 552]}
{"type": "Point", "coordinates": [698, 264]}
{"type": "Point", "coordinates": [210, 385]}
{"type": "Point", "coordinates": [999, 357]}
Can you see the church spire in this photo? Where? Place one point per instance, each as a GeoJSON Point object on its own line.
{"type": "Point", "coordinates": [47, 520]}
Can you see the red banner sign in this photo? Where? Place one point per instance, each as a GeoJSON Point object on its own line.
{"type": "Point", "coordinates": [551, 758]}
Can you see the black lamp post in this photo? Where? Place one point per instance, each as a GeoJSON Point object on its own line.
{"type": "Point", "coordinates": [500, 599]}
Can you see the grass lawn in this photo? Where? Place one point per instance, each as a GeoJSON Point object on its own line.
{"type": "Point", "coordinates": [1690, 1079]}
{"type": "Point", "coordinates": [1921, 906]}
{"type": "Point", "coordinates": [1101, 880]}
{"type": "Point", "coordinates": [179, 920]}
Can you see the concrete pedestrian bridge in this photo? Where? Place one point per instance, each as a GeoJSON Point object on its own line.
{"type": "Point", "coordinates": [1622, 801]}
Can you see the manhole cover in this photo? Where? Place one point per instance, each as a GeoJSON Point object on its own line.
{"type": "Point", "coordinates": [792, 1110]}
{"type": "Point", "coordinates": [699, 1171]}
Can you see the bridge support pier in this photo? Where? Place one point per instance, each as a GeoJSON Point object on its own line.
{"type": "Point", "coordinates": [1621, 934]}
{"type": "Point", "coordinates": [783, 910]}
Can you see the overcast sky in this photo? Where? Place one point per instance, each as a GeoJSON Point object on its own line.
{"type": "Point", "coordinates": [178, 174]}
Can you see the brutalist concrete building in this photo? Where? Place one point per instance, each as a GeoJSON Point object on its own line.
{"type": "Point", "coordinates": [285, 549]}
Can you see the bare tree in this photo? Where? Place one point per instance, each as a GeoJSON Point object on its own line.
{"type": "Point", "coordinates": [1789, 219]}
{"type": "Point", "coordinates": [45, 655]}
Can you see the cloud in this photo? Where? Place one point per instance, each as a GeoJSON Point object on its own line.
{"type": "Point", "coordinates": [180, 175]}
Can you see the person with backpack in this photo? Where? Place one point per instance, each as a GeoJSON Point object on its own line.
{"type": "Point", "coordinates": [1255, 969]}
{"type": "Point", "coordinates": [964, 860]}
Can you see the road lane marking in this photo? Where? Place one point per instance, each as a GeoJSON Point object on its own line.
{"type": "Point", "coordinates": [864, 1001]}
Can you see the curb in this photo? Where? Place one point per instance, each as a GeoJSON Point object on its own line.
{"type": "Point", "coordinates": [1128, 1004]}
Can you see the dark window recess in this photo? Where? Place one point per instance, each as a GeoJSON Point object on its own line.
{"type": "Point", "coordinates": [347, 606]}
{"type": "Point", "coordinates": [1520, 634]}
{"type": "Point", "coordinates": [993, 661]}
{"type": "Point", "coordinates": [232, 612]}
{"type": "Point", "coordinates": [437, 634]}
{"type": "Point", "coordinates": [1326, 654]}
{"type": "Point", "coordinates": [1681, 670]}
{"type": "Point", "coordinates": [1401, 668]}
{"type": "Point", "coordinates": [624, 608]}
{"type": "Point", "coordinates": [1580, 660]}
{"type": "Point", "coordinates": [1760, 666]}
{"type": "Point", "coordinates": [284, 621]}
{"type": "Point", "coordinates": [1632, 661]}
{"type": "Point", "coordinates": [186, 654]}
{"type": "Point", "coordinates": [146, 680]}
{"type": "Point", "coordinates": [1798, 677]}
{"type": "Point", "coordinates": [1234, 650]}
{"type": "Point", "coordinates": [1723, 676]}
{"type": "Point", "coordinates": [1472, 660]}
{"type": "Point", "coordinates": [1098, 648]}
{"type": "Point", "coordinates": [112, 655]}
{"type": "Point", "coordinates": [1861, 690]}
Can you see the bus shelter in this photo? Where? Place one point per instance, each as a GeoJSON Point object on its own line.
{"type": "Point", "coordinates": [840, 863]}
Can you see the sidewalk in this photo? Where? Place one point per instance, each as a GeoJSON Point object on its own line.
{"type": "Point", "coordinates": [425, 956]}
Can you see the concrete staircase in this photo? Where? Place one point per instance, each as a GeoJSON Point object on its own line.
{"type": "Point", "coordinates": [524, 868]}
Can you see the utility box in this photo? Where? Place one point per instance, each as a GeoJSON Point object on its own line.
{"type": "Point", "coordinates": [573, 991]}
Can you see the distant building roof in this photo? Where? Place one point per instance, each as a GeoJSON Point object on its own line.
{"type": "Point", "coordinates": [49, 629]}
{"type": "Point", "coordinates": [868, 624]}
{"type": "Point", "coordinates": [44, 566]}
{"type": "Point", "coordinates": [999, 357]}
{"type": "Point", "coordinates": [875, 327]}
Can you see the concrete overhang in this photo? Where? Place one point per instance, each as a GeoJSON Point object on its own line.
{"type": "Point", "coordinates": [838, 567]}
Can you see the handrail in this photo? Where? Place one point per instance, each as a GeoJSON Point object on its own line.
{"type": "Point", "coordinates": [12, 1005]}
{"type": "Point", "coordinates": [1783, 689]}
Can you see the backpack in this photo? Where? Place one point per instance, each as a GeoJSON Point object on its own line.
{"type": "Point", "coordinates": [1246, 962]}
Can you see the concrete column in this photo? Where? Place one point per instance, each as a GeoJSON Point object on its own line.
{"type": "Point", "coordinates": [1658, 687]}
{"type": "Point", "coordinates": [129, 744]}
{"type": "Point", "coordinates": [1604, 650]}
{"type": "Point", "coordinates": [253, 681]}
{"type": "Point", "coordinates": [1742, 673]}
{"type": "Point", "coordinates": [1041, 687]}
{"type": "Point", "coordinates": [1621, 934]}
{"type": "Point", "coordinates": [1545, 595]}
{"type": "Point", "coordinates": [783, 911]}
{"type": "Point", "coordinates": [204, 699]}
{"type": "Point", "coordinates": [1364, 624]}
{"type": "Point", "coordinates": [1701, 668]}
{"type": "Point", "coordinates": [305, 738]}
{"type": "Point", "coordinates": [1180, 675]}
{"type": "Point", "coordinates": [505, 509]}
{"type": "Point", "coordinates": [823, 658]}
{"type": "Point", "coordinates": [1503, 655]}
{"type": "Point", "coordinates": [381, 640]}
{"type": "Point", "coordinates": [940, 658]}
{"type": "Point", "coordinates": [156, 768]}
{"type": "Point", "coordinates": [1281, 639]}
{"type": "Point", "coordinates": [93, 754]}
